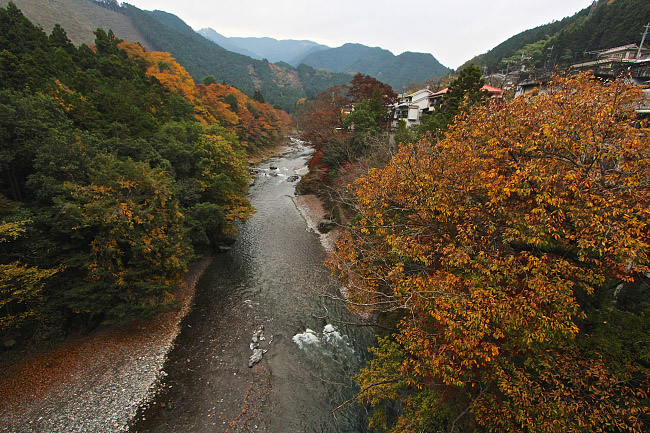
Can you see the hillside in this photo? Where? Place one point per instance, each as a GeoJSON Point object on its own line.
{"type": "Point", "coordinates": [80, 18]}
{"type": "Point", "coordinates": [281, 84]}
{"type": "Point", "coordinates": [398, 71]}
{"type": "Point", "coordinates": [288, 50]}
{"type": "Point", "coordinates": [611, 23]}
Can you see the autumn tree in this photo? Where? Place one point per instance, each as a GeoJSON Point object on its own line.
{"type": "Point", "coordinates": [362, 87]}
{"type": "Point", "coordinates": [517, 249]}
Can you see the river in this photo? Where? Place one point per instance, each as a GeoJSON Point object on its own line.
{"type": "Point", "coordinates": [273, 277]}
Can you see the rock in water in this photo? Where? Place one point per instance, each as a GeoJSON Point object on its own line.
{"type": "Point", "coordinates": [255, 357]}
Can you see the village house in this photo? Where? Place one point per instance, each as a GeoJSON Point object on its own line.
{"type": "Point", "coordinates": [411, 107]}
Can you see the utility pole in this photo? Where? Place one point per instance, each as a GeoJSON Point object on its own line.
{"type": "Point", "coordinates": [645, 33]}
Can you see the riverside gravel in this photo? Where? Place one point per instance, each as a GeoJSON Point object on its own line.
{"type": "Point", "coordinates": [96, 383]}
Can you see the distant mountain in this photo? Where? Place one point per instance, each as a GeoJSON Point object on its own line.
{"type": "Point", "coordinates": [608, 24]}
{"type": "Point", "coordinates": [280, 84]}
{"type": "Point", "coordinates": [80, 18]}
{"type": "Point", "coordinates": [288, 50]}
{"type": "Point", "coordinates": [226, 43]}
{"type": "Point", "coordinates": [398, 71]}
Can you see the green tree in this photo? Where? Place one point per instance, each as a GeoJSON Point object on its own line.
{"type": "Point", "coordinates": [137, 250]}
{"type": "Point", "coordinates": [464, 92]}
{"type": "Point", "coordinates": [258, 96]}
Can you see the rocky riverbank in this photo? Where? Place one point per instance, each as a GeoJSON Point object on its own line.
{"type": "Point", "coordinates": [94, 383]}
{"type": "Point", "coordinates": [312, 210]}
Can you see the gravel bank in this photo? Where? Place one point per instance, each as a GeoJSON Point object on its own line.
{"type": "Point", "coordinates": [94, 383]}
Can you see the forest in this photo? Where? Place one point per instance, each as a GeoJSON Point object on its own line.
{"type": "Point", "coordinates": [503, 248]}
{"type": "Point", "coordinates": [116, 168]}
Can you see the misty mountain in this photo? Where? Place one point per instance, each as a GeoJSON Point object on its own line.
{"type": "Point", "coordinates": [398, 71]}
{"type": "Point", "coordinates": [226, 43]}
{"type": "Point", "coordinates": [287, 50]}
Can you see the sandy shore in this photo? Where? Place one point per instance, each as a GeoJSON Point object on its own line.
{"type": "Point", "coordinates": [94, 383]}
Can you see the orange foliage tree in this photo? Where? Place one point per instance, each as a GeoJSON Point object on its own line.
{"type": "Point", "coordinates": [518, 249]}
{"type": "Point", "coordinates": [255, 123]}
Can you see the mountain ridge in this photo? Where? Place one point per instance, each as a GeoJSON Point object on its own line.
{"type": "Point", "coordinates": [274, 50]}
{"type": "Point", "coordinates": [398, 71]}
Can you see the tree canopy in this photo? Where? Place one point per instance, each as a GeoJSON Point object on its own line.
{"type": "Point", "coordinates": [517, 249]}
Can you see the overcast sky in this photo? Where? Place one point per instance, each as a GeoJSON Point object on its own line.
{"type": "Point", "coordinates": [452, 30]}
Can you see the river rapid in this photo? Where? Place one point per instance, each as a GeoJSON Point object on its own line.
{"type": "Point", "coordinates": [272, 284]}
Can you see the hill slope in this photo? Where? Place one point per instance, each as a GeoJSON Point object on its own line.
{"type": "Point", "coordinates": [287, 50]}
{"type": "Point", "coordinates": [611, 23]}
{"type": "Point", "coordinates": [79, 18]}
{"type": "Point", "coordinates": [398, 71]}
{"type": "Point", "coordinates": [280, 84]}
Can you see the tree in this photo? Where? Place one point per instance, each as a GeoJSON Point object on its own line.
{"type": "Point", "coordinates": [21, 286]}
{"type": "Point", "coordinates": [363, 87]}
{"type": "Point", "coordinates": [209, 79]}
{"type": "Point", "coordinates": [516, 247]}
{"type": "Point", "coordinates": [464, 92]}
{"type": "Point", "coordinates": [137, 250]}
{"type": "Point", "coordinates": [257, 96]}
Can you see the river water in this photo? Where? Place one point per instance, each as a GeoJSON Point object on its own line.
{"type": "Point", "coordinates": [273, 277]}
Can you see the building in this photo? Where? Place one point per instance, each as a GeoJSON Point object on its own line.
{"type": "Point", "coordinates": [614, 62]}
{"type": "Point", "coordinates": [411, 107]}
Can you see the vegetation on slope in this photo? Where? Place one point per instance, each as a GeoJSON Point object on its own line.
{"type": "Point", "coordinates": [611, 24]}
{"type": "Point", "coordinates": [80, 18]}
{"type": "Point", "coordinates": [280, 84]}
{"type": "Point", "coordinates": [115, 167]}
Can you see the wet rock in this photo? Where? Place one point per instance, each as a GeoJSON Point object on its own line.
{"type": "Point", "coordinates": [9, 343]}
{"type": "Point", "coordinates": [258, 353]}
{"type": "Point", "coordinates": [293, 178]}
{"type": "Point", "coordinates": [273, 173]}
{"type": "Point", "coordinates": [326, 225]}
{"type": "Point", "coordinates": [273, 167]}
{"type": "Point", "coordinates": [255, 357]}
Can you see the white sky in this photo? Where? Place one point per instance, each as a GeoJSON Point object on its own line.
{"type": "Point", "coordinates": [453, 31]}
